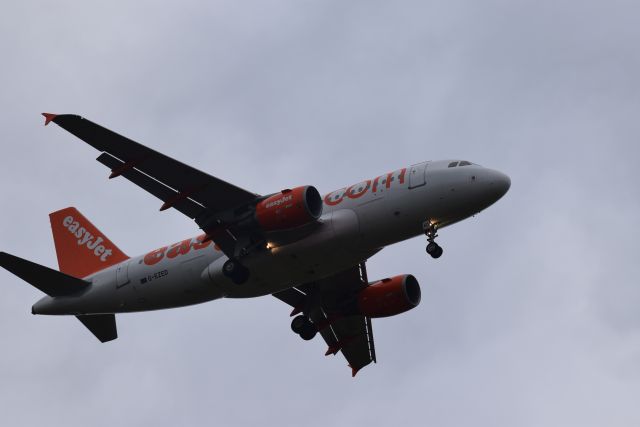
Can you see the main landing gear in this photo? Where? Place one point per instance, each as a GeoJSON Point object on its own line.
{"type": "Point", "coordinates": [304, 327]}
{"type": "Point", "coordinates": [431, 231]}
{"type": "Point", "coordinates": [237, 272]}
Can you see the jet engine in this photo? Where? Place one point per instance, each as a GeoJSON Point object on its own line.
{"type": "Point", "coordinates": [389, 297]}
{"type": "Point", "coordinates": [289, 209]}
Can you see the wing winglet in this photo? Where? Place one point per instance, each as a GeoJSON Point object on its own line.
{"type": "Point", "coordinates": [48, 117]}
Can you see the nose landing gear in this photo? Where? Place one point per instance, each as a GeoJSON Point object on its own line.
{"type": "Point", "coordinates": [431, 231]}
{"type": "Point", "coordinates": [434, 250]}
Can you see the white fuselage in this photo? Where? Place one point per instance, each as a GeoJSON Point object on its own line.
{"type": "Point", "coordinates": [357, 222]}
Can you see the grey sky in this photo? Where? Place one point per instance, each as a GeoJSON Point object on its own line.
{"type": "Point", "coordinates": [532, 316]}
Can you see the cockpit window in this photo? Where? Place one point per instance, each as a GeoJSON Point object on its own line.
{"type": "Point", "coordinates": [464, 163]}
{"type": "Point", "coordinates": [453, 164]}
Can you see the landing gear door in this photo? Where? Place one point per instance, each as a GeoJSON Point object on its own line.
{"type": "Point", "coordinates": [122, 274]}
{"type": "Point", "coordinates": [417, 175]}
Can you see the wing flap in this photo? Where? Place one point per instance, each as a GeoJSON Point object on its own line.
{"type": "Point", "coordinates": [187, 206]}
{"type": "Point", "coordinates": [354, 340]}
{"type": "Point", "coordinates": [319, 318]}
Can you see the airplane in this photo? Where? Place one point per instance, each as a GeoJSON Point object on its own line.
{"type": "Point", "coordinates": [307, 250]}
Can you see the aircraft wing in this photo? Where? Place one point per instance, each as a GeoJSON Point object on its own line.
{"type": "Point", "coordinates": [328, 303]}
{"type": "Point", "coordinates": [185, 181]}
{"type": "Point", "coordinates": [199, 196]}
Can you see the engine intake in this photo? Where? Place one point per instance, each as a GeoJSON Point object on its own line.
{"type": "Point", "coordinates": [389, 297]}
{"type": "Point", "coordinates": [289, 209]}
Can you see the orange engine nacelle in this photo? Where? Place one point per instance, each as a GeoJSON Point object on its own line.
{"type": "Point", "coordinates": [289, 209]}
{"type": "Point", "coordinates": [389, 297]}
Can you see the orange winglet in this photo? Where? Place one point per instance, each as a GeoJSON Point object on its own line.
{"type": "Point", "coordinates": [48, 117]}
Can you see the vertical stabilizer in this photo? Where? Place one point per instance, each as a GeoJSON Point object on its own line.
{"type": "Point", "coordinates": [81, 248]}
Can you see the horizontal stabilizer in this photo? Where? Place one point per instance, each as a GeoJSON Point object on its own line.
{"type": "Point", "coordinates": [48, 280]}
{"type": "Point", "coordinates": [103, 326]}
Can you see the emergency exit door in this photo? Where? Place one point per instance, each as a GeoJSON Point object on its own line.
{"type": "Point", "coordinates": [122, 274]}
{"type": "Point", "coordinates": [417, 175]}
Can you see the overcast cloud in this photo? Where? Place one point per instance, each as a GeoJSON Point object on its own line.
{"type": "Point", "coordinates": [531, 317]}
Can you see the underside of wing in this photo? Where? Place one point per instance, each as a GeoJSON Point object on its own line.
{"type": "Point", "coordinates": [175, 183]}
{"type": "Point", "coordinates": [327, 303]}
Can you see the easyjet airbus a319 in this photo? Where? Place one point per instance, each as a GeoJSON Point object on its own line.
{"type": "Point", "coordinates": [307, 250]}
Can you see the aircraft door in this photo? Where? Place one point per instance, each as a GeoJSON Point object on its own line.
{"type": "Point", "coordinates": [417, 175]}
{"type": "Point", "coordinates": [122, 274]}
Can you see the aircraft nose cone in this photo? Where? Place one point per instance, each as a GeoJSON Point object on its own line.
{"type": "Point", "coordinates": [499, 184]}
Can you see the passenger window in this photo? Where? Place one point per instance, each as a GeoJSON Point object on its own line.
{"type": "Point", "coordinates": [453, 164]}
{"type": "Point", "coordinates": [464, 163]}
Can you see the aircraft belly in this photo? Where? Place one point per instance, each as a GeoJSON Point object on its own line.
{"type": "Point", "coordinates": [171, 283]}
{"type": "Point", "coordinates": [332, 247]}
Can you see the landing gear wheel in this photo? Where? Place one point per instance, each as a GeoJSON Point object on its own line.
{"type": "Point", "coordinates": [431, 231]}
{"type": "Point", "coordinates": [298, 323]}
{"type": "Point", "coordinates": [230, 267]}
{"type": "Point", "coordinates": [302, 326]}
{"type": "Point", "coordinates": [235, 271]}
{"type": "Point", "coordinates": [241, 276]}
{"type": "Point", "coordinates": [309, 332]}
{"type": "Point", "coordinates": [432, 247]}
{"type": "Point", "coordinates": [438, 252]}
{"type": "Point", "coordinates": [434, 250]}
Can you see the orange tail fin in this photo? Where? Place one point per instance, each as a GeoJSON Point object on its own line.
{"type": "Point", "coordinates": [81, 248]}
